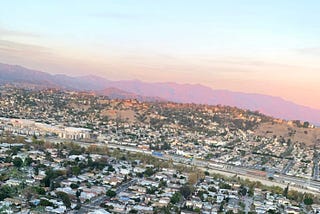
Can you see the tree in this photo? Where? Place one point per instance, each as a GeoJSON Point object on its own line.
{"type": "Point", "coordinates": [223, 185]}
{"type": "Point", "coordinates": [176, 197]}
{"type": "Point", "coordinates": [28, 161]}
{"type": "Point", "coordinates": [251, 191]}
{"type": "Point", "coordinates": [151, 190]}
{"type": "Point", "coordinates": [45, 203]}
{"type": "Point", "coordinates": [165, 146]}
{"type": "Point", "coordinates": [50, 176]}
{"type": "Point", "coordinates": [186, 191]}
{"type": "Point", "coordinates": [78, 193]}
{"type": "Point", "coordinates": [76, 170]}
{"type": "Point", "coordinates": [242, 190]}
{"type": "Point", "coordinates": [17, 162]}
{"type": "Point", "coordinates": [110, 169]}
{"type": "Point", "coordinates": [110, 193]}
{"type": "Point", "coordinates": [285, 191]}
{"type": "Point", "coordinates": [39, 190]}
{"type": "Point", "coordinates": [65, 198]}
{"type": "Point", "coordinates": [308, 201]}
{"type": "Point", "coordinates": [36, 170]}
{"type": "Point", "coordinates": [149, 172]}
{"type": "Point", "coordinates": [197, 210]}
{"type": "Point", "coordinates": [74, 186]}
{"type": "Point", "coordinates": [193, 178]}
{"type": "Point", "coordinates": [5, 192]}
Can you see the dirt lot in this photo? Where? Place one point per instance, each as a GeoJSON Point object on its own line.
{"type": "Point", "coordinates": [309, 136]}
{"type": "Point", "coordinates": [126, 115]}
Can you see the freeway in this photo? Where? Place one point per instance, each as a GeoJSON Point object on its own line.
{"type": "Point", "coordinates": [298, 183]}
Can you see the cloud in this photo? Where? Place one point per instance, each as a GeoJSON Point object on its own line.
{"type": "Point", "coordinates": [14, 33]}
{"type": "Point", "coordinates": [10, 48]}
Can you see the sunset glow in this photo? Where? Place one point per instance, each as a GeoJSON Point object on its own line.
{"type": "Point", "coordinates": [268, 47]}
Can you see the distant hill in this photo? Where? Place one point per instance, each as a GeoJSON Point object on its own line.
{"type": "Point", "coordinates": [115, 93]}
{"type": "Point", "coordinates": [15, 74]}
{"type": "Point", "coordinates": [183, 93]}
{"type": "Point", "coordinates": [189, 93]}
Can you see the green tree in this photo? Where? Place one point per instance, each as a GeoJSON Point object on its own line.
{"type": "Point", "coordinates": [45, 203]}
{"type": "Point", "coordinates": [242, 190]}
{"type": "Point", "coordinates": [74, 186]}
{"type": "Point", "coordinates": [5, 192]}
{"type": "Point", "coordinates": [285, 191]}
{"type": "Point", "coordinates": [308, 201]}
{"type": "Point", "coordinates": [39, 190]}
{"type": "Point", "coordinates": [50, 176]}
{"type": "Point", "coordinates": [78, 193]}
{"type": "Point", "coordinates": [306, 124]}
{"type": "Point", "coordinates": [17, 162]}
{"type": "Point", "coordinates": [149, 172]}
{"type": "Point", "coordinates": [110, 193]}
{"type": "Point", "coordinates": [65, 198]}
{"type": "Point", "coordinates": [75, 170]}
{"type": "Point", "coordinates": [28, 161]}
{"type": "Point", "coordinates": [186, 191]}
{"type": "Point", "coordinates": [176, 197]}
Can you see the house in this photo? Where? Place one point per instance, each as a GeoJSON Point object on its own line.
{"type": "Point", "coordinates": [220, 198]}
{"type": "Point", "coordinates": [13, 182]}
{"type": "Point", "coordinates": [189, 204]}
{"type": "Point", "coordinates": [60, 209]}
{"type": "Point", "coordinates": [143, 209]}
{"type": "Point", "coordinates": [99, 211]}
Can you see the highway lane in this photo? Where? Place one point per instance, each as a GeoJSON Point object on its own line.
{"type": "Point", "coordinates": [299, 183]}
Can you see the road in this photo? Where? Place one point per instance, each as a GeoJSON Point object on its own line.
{"type": "Point", "coordinates": [125, 186]}
{"type": "Point", "coordinates": [287, 168]}
{"type": "Point", "coordinates": [297, 183]}
{"type": "Point", "coordinates": [315, 175]}
{"type": "Point", "coordinates": [95, 202]}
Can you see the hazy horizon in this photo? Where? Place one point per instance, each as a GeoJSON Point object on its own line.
{"type": "Point", "coordinates": [265, 47]}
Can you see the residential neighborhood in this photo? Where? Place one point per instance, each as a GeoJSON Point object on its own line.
{"type": "Point", "coordinates": [82, 153]}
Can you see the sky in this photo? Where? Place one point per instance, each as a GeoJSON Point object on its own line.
{"type": "Point", "coordinates": [257, 46]}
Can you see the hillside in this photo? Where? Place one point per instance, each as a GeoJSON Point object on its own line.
{"type": "Point", "coordinates": [65, 107]}
{"type": "Point", "coordinates": [143, 91]}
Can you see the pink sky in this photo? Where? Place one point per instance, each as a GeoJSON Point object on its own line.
{"type": "Point", "coordinates": [295, 82]}
{"type": "Point", "coordinates": [268, 47]}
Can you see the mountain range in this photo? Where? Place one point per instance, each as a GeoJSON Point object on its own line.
{"type": "Point", "coordinates": [169, 91]}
